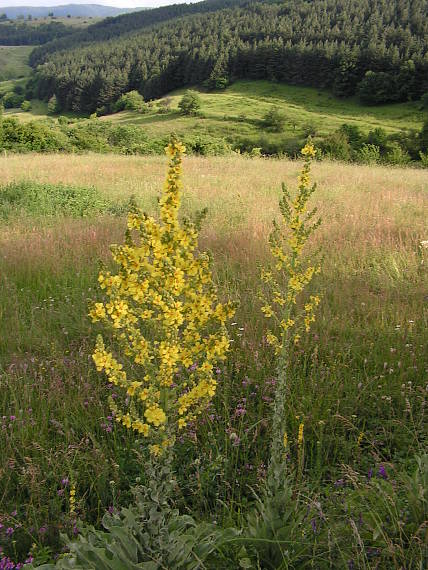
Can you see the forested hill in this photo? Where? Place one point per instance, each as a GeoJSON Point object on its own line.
{"type": "Point", "coordinates": [325, 43]}
{"type": "Point", "coordinates": [113, 27]}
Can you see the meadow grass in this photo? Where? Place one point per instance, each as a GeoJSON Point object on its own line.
{"type": "Point", "coordinates": [358, 381]}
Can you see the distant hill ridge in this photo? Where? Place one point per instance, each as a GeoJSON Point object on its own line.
{"type": "Point", "coordinates": [62, 11]}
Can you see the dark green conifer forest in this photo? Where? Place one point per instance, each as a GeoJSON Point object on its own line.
{"type": "Point", "coordinates": [375, 49]}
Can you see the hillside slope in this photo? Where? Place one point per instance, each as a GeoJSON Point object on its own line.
{"type": "Point", "coordinates": [327, 44]}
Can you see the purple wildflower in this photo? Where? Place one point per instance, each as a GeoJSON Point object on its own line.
{"type": "Point", "coordinates": [382, 472]}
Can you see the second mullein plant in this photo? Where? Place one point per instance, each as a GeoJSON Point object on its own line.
{"type": "Point", "coordinates": [286, 302]}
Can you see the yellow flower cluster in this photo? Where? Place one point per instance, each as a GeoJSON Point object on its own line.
{"type": "Point", "coordinates": [167, 324]}
{"type": "Point", "coordinates": [286, 281]}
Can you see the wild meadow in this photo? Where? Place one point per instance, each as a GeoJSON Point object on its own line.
{"type": "Point", "coordinates": [354, 471]}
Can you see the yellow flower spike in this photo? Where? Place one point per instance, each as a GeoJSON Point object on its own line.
{"type": "Point", "coordinates": [300, 434]}
{"type": "Point", "coordinates": [308, 150]}
{"type": "Point", "coordinates": [165, 320]}
{"type": "Point", "coordinates": [285, 440]}
{"type": "Point", "coordinates": [284, 292]}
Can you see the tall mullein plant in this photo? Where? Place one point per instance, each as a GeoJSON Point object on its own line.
{"type": "Point", "coordinates": [286, 303]}
{"type": "Point", "coordinates": [165, 320]}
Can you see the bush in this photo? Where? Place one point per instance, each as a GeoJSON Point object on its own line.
{"type": "Point", "coordinates": [26, 106]}
{"type": "Point", "coordinates": [336, 146]}
{"type": "Point", "coordinates": [190, 103]}
{"type": "Point", "coordinates": [206, 146]}
{"type": "Point", "coordinates": [12, 100]}
{"type": "Point", "coordinates": [353, 134]}
{"type": "Point", "coordinates": [270, 146]}
{"type": "Point", "coordinates": [164, 105]}
{"type": "Point", "coordinates": [379, 138]}
{"type": "Point", "coordinates": [53, 105]}
{"type": "Point", "coordinates": [376, 88]}
{"type": "Point", "coordinates": [396, 155]}
{"type": "Point", "coordinates": [369, 154]}
{"type": "Point", "coordinates": [274, 120]}
{"type": "Point", "coordinates": [424, 102]}
{"type": "Point", "coordinates": [32, 136]}
{"type": "Point", "coordinates": [131, 101]}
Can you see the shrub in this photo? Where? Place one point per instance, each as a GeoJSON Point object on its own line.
{"type": "Point", "coordinates": [190, 103]}
{"type": "Point", "coordinates": [207, 146]}
{"type": "Point", "coordinates": [336, 145]}
{"type": "Point", "coordinates": [424, 159]}
{"type": "Point", "coordinates": [376, 88]}
{"type": "Point", "coordinates": [396, 155]}
{"type": "Point", "coordinates": [310, 129]}
{"type": "Point", "coordinates": [131, 101]}
{"type": "Point", "coordinates": [378, 137]}
{"type": "Point", "coordinates": [274, 120]}
{"type": "Point", "coordinates": [424, 101]}
{"type": "Point", "coordinates": [369, 154]}
{"type": "Point", "coordinates": [32, 136]}
{"type": "Point", "coordinates": [12, 100]}
{"type": "Point", "coordinates": [164, 105]}
{"type": "Point", "coordinates": [26, 106]}
{"type": "Point", "coordinates": [53, 105]}
{"type": "Point", "coordinates": [423, 137]}
{"type": "Point", "coordinates": [353, 134]}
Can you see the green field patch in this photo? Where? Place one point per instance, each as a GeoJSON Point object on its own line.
{"type": "Point", "coordinates": [28, 198]}
{"type": "Point", "coordinates": [14, 62]}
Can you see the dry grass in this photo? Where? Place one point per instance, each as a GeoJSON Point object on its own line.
{"type": "Point", "coordinates": [376, 202]}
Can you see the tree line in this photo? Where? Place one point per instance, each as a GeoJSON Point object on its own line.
{"type": "Point", "coordinates": [26, 34]}
{"type": "Point", "coordinates": [373, 48]}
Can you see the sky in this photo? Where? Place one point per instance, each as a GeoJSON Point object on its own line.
{"type": "Point", "coordinates": [116, 3]}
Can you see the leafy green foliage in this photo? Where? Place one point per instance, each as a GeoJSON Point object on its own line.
{"type": "Point", "coordinates": [150, 534]}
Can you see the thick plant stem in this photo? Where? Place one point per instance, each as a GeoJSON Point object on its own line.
{"type": "Point", "coordinates": [277, 463]}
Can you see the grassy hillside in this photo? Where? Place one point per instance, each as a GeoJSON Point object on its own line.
{"type": "Point", "coordinates": [357, 383]}
{"type": "Point", "coordinates": [237, 112]}
{"type": "Point", "coordinates": [238, 109]}
{"type": "Point", "coordinates": [14, 63]}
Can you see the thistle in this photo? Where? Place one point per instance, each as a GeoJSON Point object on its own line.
{"type": "Point", "coordinates": [167, 325]}
{"type": "Point", "coordinates": [285, 302]}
